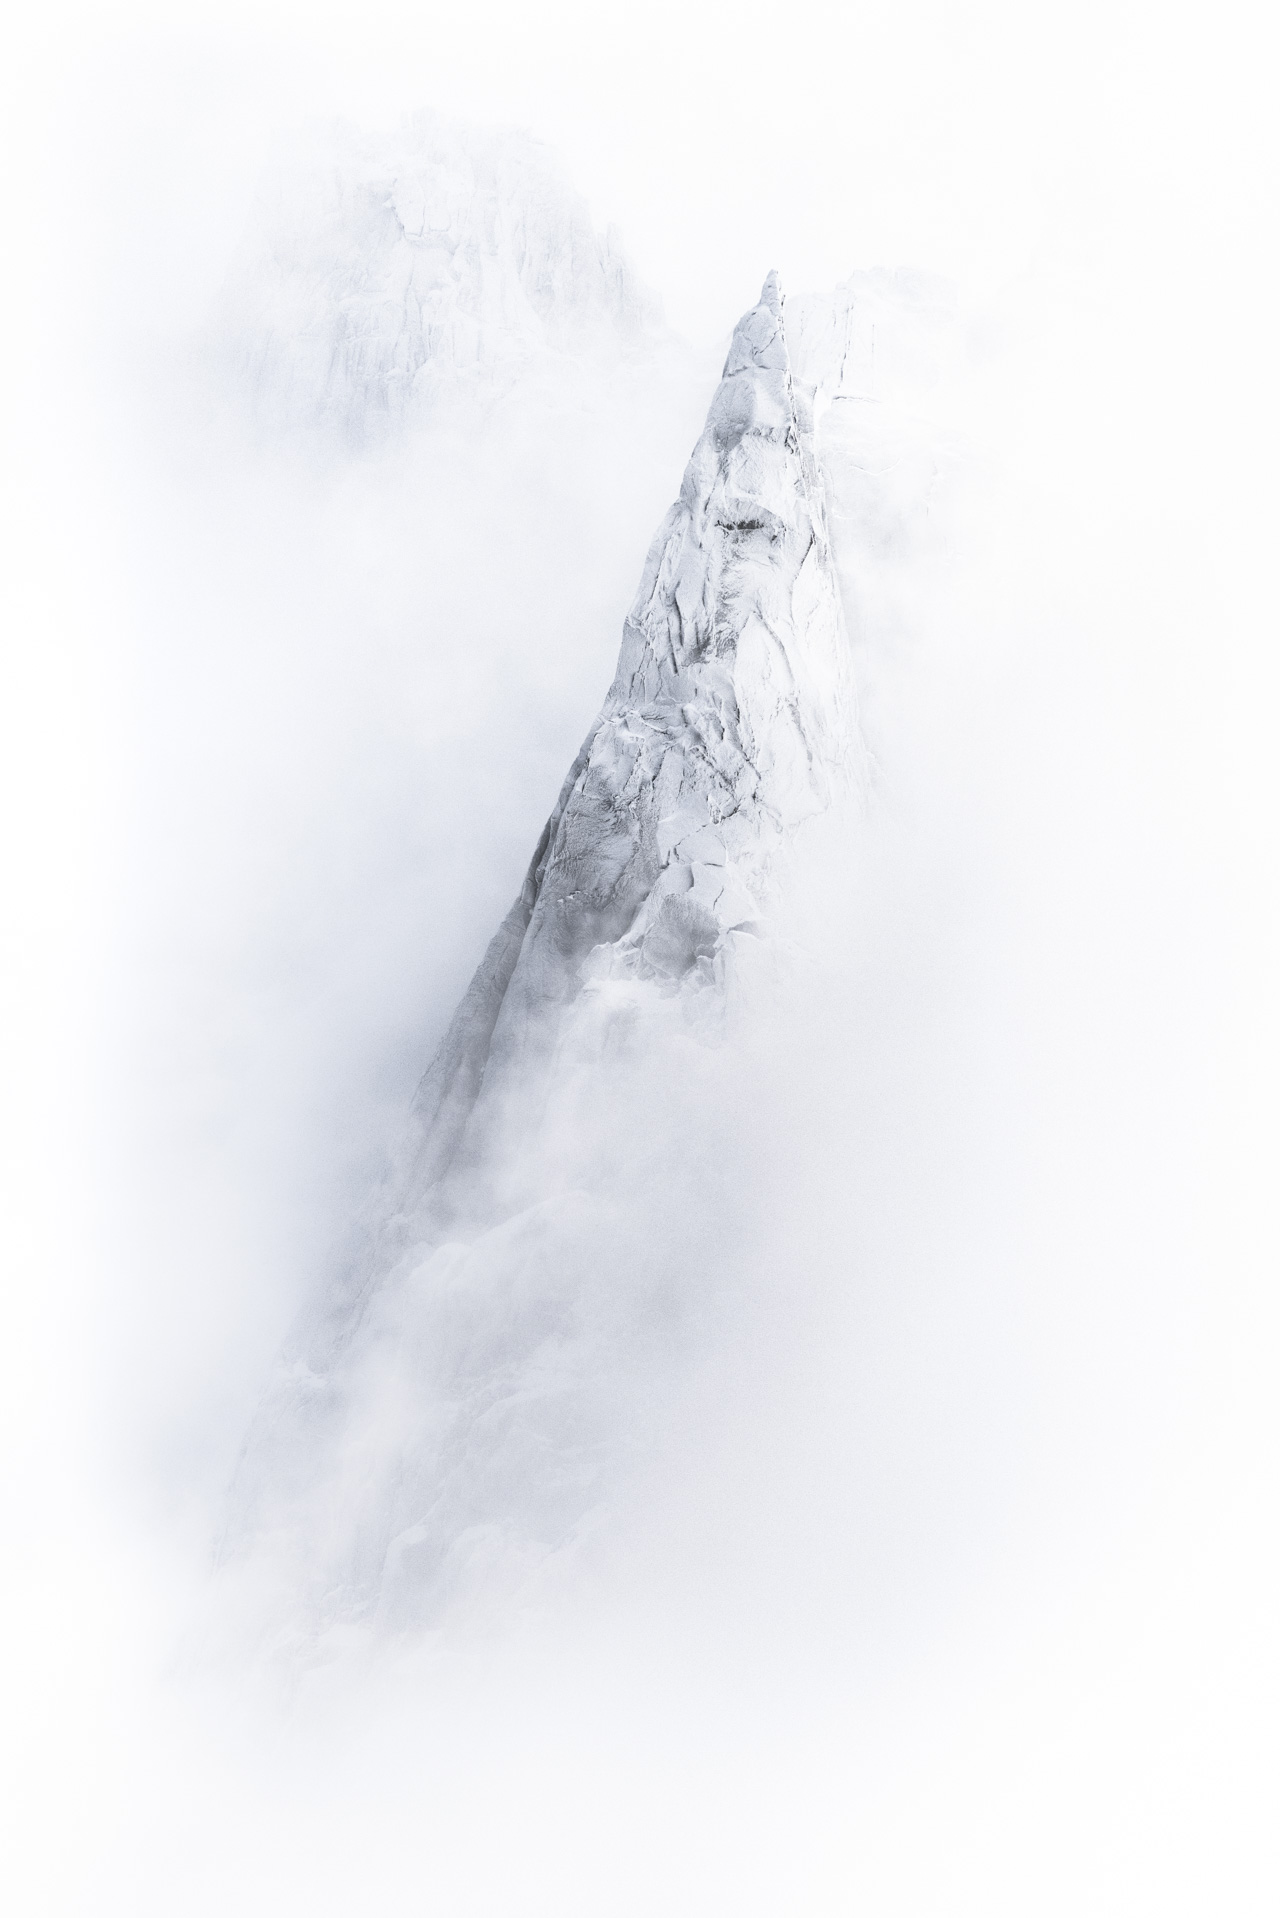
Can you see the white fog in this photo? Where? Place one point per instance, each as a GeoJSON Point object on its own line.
{"type": "Point", "coordinates": [811, 1446]}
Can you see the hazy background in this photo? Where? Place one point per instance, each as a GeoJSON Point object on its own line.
{"type": "Point", "coordinates": [955, 1589]}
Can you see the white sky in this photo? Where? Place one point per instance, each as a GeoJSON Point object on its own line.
{"type": "Point", "coordinates": [725, 138]}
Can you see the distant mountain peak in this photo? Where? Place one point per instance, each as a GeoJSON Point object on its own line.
{"type": "Point", "coordinates": [388, 271]}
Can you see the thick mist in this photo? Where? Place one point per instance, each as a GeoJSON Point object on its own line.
{"type": "Point", "coordinates": [941, 1574]}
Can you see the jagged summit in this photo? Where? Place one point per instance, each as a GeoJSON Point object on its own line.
{"type": "Point", "coordinates": [728, 724]}
{"type": "Point", "coordinates": [729, 718]}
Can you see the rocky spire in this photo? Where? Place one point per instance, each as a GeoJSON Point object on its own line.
{"type": "Point", "coordinates": [444, 1400]}
{"type": "Point", "coordinates": [729, 721]}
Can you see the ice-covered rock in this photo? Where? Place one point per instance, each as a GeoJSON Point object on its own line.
{"type": "Point", "coordinates": [729, 722]}
{"type": "Point", "coordinates": [454, 1404]}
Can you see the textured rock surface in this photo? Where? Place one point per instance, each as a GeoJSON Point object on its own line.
{"type": "Point", "coordinates": [455, 1405]}
{"type": "Point", "coordinates": [729, 721]}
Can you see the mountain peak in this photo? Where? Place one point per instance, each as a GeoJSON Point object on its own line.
{"type": "Point", "coordinates": [728, 725]}
{"type": "Point", "coordinates": [759, 343]}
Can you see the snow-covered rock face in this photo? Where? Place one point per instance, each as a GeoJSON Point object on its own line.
{"type": "Point", "coordinates": [451, 1413]}
{"type": "Point", "coordinates": [729, 722]}
{"type": "Point", "coordinates": [404, 265]}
